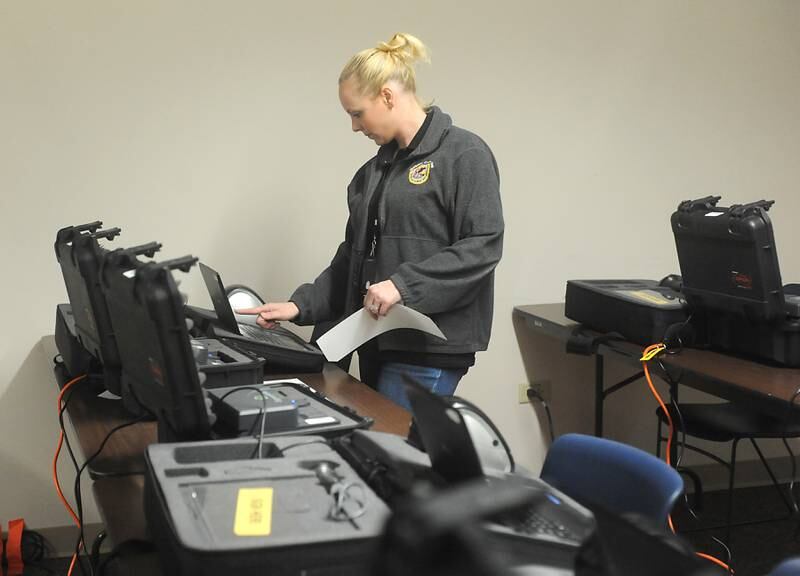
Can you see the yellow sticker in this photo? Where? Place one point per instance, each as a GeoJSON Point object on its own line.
{"type": "Point", "coordinates": [652, 297]}
{"type": "Point", "coordinates": [253, 512]}
{"type": "Point", "coordinates": [419, 173]}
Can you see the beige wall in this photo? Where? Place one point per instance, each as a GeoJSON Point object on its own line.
{"type": "Point", "coordinates": [215, 128]}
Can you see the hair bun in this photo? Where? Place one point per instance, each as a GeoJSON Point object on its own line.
{"type": "Point", "coordinates": [406, 47]}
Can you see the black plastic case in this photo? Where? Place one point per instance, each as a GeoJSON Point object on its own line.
{"type": "Point", "coordinates": [777, 342]}
{"type": "Point", "coordinates": [225, 366]}
{"type": "Point", "coordinates": [639, 310]}
{"type": "Point", "coordinates": [80, 256]}
{"type": "Point", "coordinates": [160, 369]}
{"type": "Point", "coordinates": [732, 280]}
{"type": "Point", "coordinates": [728, 258]}
{"type": "Point", "coordinates": [195, 509]}
{"type": "Point", "coordinates": [76, 358]}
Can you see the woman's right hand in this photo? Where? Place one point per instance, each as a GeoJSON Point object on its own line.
{"type": "Point", "coordinates": [272, 312]}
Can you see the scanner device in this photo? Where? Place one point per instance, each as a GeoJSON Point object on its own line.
{"type": "Point", "coordinates": [244, 297]}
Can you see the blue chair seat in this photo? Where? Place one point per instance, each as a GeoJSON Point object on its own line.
{"type": "Point", "coordinates": [621, 478]}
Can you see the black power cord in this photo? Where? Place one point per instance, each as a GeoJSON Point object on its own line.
{"type": "Point", "coordinates": [34, 548]}
{"type": "Point", "coordinates": [86, 464]}
{"type": "Point", "coordinates": [81, 541]}
{"type": "Point", "coordinates": [673, 383]}
{"type": "Point", "coordinates": [535, 395]}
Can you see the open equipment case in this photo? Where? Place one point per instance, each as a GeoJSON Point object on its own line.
{"type": "Point", "coordinates": [162, 372]}
{"type": "Point", "coordinates": [85, 336]}
{"type": "Point", "coordinates": [732, 280]}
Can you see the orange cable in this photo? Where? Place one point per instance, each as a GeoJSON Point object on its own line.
{"type": "Point", "coordinates": [72, 563]}
{"type": "Point", "coordinates": [668, 457]}
{"type": "Point", "coordinates": [66, 387]}
{"type": "Point", "coordinates": [715, 561]}
{"type": "Point", "coordinates": [58, 484]}
{"type": "Point", "coordinates": [64, 501]}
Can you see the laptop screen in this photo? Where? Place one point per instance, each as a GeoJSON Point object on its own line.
{"type": "Point", "coordinates": [444, 435]}
{"type": "Point", "coordinates": [219, 299]}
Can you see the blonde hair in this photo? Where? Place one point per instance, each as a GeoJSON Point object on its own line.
{"type": "Point", "coordinates": [393, 60]}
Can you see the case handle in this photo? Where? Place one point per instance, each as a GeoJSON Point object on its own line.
{"type": "Point", "coordinates": [708, 203]}
{"type": "Point", "coordinates": [742, 210]}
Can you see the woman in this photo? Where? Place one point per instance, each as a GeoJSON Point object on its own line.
{"type": "Point", "coordinates": [425, 229]}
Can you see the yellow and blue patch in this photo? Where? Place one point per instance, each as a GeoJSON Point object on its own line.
{"type": "Point", "coordinates": [419, 173]}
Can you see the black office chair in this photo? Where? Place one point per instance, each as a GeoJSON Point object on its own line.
{"type": "Point", "coordinates": [729, 422]}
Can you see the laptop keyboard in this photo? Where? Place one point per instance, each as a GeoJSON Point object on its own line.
{"type": "Point", "coordinates": [274, 336]}
{"type": "Point", "coordinates": [536, 524]}
{"type": "Point", "coordinates": [553, 519]}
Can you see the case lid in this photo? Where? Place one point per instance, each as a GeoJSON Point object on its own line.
{"type": "Point", "coordinates": [728, 258]}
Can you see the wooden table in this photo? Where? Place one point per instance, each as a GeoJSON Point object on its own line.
{"type": "Point", "coordinates": [117, 471]}
{"type": "Point", "coordinates": [773, 389]}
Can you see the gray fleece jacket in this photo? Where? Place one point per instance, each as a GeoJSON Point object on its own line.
{"type": "Point", "coordinates": [441, 236]}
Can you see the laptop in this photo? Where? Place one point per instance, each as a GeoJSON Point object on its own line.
{"type": "Point", "coordinates": [443, 432]}
{"type": "Point", "coordinates": [626, 547]}
{"type": "Point", "coordinates": [281, 348]}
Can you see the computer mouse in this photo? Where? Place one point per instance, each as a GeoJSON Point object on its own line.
{"type": "Point", "coordinates": [673, 281]}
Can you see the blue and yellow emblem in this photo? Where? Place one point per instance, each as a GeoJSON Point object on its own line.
{"type": "Point", "coordinates": [419, 173]}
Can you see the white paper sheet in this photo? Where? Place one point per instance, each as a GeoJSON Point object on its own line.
{"type": "Point", "coordinates": [361, 326]}
{"type": "Point", "coordinates": [285, 380]}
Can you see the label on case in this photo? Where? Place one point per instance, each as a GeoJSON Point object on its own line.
{"type": "Point", "coordinates": [253, 512]}
{"type": "Point", "coordinates": [649, 296]}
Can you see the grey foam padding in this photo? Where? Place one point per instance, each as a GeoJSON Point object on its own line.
{"type": "Point", "coordinates": [198, 484]}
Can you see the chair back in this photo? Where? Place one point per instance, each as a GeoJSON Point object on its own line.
{"type": "Point", "coordinates": [616, 476]}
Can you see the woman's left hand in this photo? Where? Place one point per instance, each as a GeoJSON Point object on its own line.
{"type": "Point", "coordinates": [381, 297]}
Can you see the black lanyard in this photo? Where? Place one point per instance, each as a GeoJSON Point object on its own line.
{"type": "Point", "coordinates": [373, 218]}
{"type": "Point", "coordinates": [368, 268]}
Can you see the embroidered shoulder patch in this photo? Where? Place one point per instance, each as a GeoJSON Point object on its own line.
{"type": "Point", "coordinates": [419, 173]}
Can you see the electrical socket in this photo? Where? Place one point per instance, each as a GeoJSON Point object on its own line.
{"type": "Point", "coordinates": [522, 393]}
{"type": "Point", "coordinates": [543, 387]}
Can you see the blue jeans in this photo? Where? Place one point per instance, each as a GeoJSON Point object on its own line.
{"type": "Point", "coordinates": [442, 381]}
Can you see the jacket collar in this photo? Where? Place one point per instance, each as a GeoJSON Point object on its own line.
{"type": "Point", "coordinates": [440, 124]}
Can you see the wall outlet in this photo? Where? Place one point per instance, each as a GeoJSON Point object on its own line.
{"type": "Point", "coordinates": [543, 387]}
{"type": "Point", "coordinates": [522, 393]}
